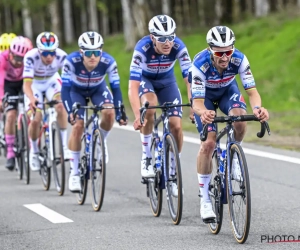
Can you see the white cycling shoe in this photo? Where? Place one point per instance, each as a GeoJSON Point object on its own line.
{"type": "Point", "coordinates": [147, 170]}
{"type": "Point", "coordinates": [206, 211]}
{"type": "Point", "coordinates": [74, 183]}
{"type": "Point", "coordinates": [34, 161]}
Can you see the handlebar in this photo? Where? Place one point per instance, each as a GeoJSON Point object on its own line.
{"type": "Point", "coordinates": [50, 103]}
{"type": "Point", "coordinates": [165, 106]}
{"type": "Point", "coordinates": [229, 119]}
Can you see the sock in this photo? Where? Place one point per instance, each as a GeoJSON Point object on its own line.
{"type": "Point", "coordinates": [173, 167]}
{"type": "Point", "coordinates": [146, 145]}
{"type": "Point", "coordinates": [204, 180]}
{"type": "Point", "coordinates": [64, 134]}
{"type": "Point", "coordinates": [34, 146]}
{"type": "Point", "coordinates": [105, 134]}
{"type": "Point", "coordinates": [10, 140]}
{"type": "Point", "coordinates": [74, 160]}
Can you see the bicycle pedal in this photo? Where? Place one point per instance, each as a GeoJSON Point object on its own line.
{"type": "Point", "coordinates": [144, 181]}
{"type": "Point", "coordinates": [209, 220]}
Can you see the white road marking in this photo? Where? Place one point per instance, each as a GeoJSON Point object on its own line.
{"type": "Point", "coordinates": [47, 213]}
{"type": "Point", "coordinates": [246, 150]}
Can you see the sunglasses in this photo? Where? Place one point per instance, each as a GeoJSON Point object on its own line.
{"type": "Point", "coordinates": [163, 39]}
{"type": "Point", "coordinates": [89, 53]}
{"type": "Point", "coordinates": [221, 53]}
{"type": "Point", "coordinates": [47, 53]}
{"type": "Point", "coordinates": [18, 58]}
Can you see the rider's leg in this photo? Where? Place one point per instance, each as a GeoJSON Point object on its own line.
{"type": "Point", "coordinates": [62, 119]}
{"type": "Point", "coordinates": [10, 132]}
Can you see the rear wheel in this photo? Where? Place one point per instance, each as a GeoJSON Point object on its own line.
{"type": "Point", "coordinates": [45, 168]}
{"type": "Point", "coordinates": [58, 163]}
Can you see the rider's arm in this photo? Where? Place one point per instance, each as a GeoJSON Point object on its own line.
{"type": "Point", "coordinates": [28, 75]}
{"type": "Point", "coordinates": [114, 80]}
{"type": "Point", "coordinates": [27, 82]}
{"type": "Point", "coordinates": [67, 72]}
{"type": "Point", "coordinates": [2, 76]}
{"type": "Point", "coordinates": [134, 81]}
{"type": "Point", "coordinates": [249, 83]}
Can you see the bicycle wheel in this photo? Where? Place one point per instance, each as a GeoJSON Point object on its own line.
{"type": "Point", "coordinates": [155, 192]}
{"type": "Point", "coordinates": [215, 191]}
{"type": "Point", "coordinates": [2, 136]}
{"type": "Point", "coordinates": [58, 163]}
{"type": "Point", "coordinates": [45, 170]}
{"type": "Point", "coordinates": [18, 146]}
{"type": "Point", "coordinates": [174, 201]}
{"type": "Point", "coordinates": [83, 173]}
{"type": "Point", "coordinates": [98, 170]}
{"type": "Point", "coordinates": [25, 148]}
{"type": "Point", "coordinates": [240, 200]}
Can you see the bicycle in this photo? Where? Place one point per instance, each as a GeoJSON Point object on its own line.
{"type": "Point", "coordinates": [88, 167]}
{"type": "Point", "coordinates": [21, 146]}
{"type": "Point", "coordinates": [161, 148]}
{"type": "Point", "coordinates": [51, 153]}
{"type": "Point", "coordinates": [222, 189]}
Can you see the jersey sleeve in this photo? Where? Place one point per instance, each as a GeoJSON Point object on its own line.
{"type": "Point", "coordinates": [246, 75]}
{"type": "Point", "coordinates": [198, 83]}
{"type": "Point", "coordinates": [136, 66]}
{"type": "Point", "coordinates": [184, 61]}
{"type": "Point", "coordinates": [67, 72]}
{"type": "Point", "coordinates": [28, 71]}
{"type": "Point", "coordinates": [2, 75]}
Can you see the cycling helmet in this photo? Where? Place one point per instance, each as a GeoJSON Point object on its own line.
{"type": "Point", "coordinates": [20, 45]}
{"type": "Point", "coordinates": [47, 41]}
{"type": "Point", "coordinates": [5, 40]}
{"type": "Point", "coordinates": [162, 25]}
{"type": "Point", "coordinates": [220, 36]}
{"type": "Point", "coordinates": [90, 40]}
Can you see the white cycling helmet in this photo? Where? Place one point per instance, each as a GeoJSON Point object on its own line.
{"type": "Point", "coordinates": [220, 36]}
{"type": "Point", "coordinates": [162, 25]}
{"type": "Point", "coordinates": [90, 40]}
{"type": "Point", "coordinates": [47, 41]}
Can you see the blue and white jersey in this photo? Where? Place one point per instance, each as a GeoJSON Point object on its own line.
{"type": "Point", "coordinates": [147, 63]}
{"type": "Point", "coordinates": [206, 77]}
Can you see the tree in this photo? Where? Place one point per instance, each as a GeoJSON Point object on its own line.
{"type": "Point", "coordinates": [68, 21]}
{"type": "Point", "coordinates": [128, 28]}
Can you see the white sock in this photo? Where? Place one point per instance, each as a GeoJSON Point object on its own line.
{"type": "Point", "coordinates": [146, 145]}
{"type": "Point", "coordinates": [64, 134]}
{"type": "Point", "coordinates": [34, 146]}
{"type": "Point", "coordinates": [105, 133]}
{"type": "Point", "coordinates": [173, 167]}
{"type": "Point", "coordinates": [204, 180]}
{"type": "Point", "coordinates": [74, 160]}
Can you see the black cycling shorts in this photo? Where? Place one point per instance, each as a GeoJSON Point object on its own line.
{"type": "Point", "coordinates": [13, 89]}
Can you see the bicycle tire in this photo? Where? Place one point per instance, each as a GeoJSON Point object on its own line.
{"type": "Point", "coordinates": [58, 159]}
{"type": "Point", "coordinates": [155, 192]}
{"type": "Point", "coordinates": [98, 170]}
{"type": "Point", "coordinates": [215, 190]}
{"type": "Point", "coordinates": [45, 170]}
{"type": "Point", "coordinates": [19, 146]}
{"type": "Point", "coordinates": [25, 149]}
{"type": "Point", "coordinates": [3, 146]}
{"type": "Point", "coordinates": [240, 237]}
{"type": "Point", "coordinates": [82, 167]}
{"type": "Point", "coordinates": [170, 145]}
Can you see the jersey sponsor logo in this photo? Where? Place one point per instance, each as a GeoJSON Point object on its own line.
{"type": "Point", "coordinates": [242, 99]}
{"type": "Point", "coordinates": [115, 70]}
{"type": "Point", "coordinates": [176, 46]}
{"type": "Point", "coordinates": [105, 93]}
{"type": "Point", "coordinates": [105, 60]}
{"type": "Point", "coordinates": [135, 75]}
{"type": "Point", "coordinates": [146, 47]}
{"type": "Point", "coordinates": [29, 62]}
{"type": "Point", "coordinates": [137, 60]}
{"type": "Point", "coordinates": [184, 56]}
{"type": "Point", "coordinates": [198, 81]}
{"type": "Point", "coordinates": [236, 61]}
{"type": "Point", "coordinates": [142, 83]}
{"type": "Point", "coordinates": [204, 67]}
{"type": "Point", "coordinates": [76, 59]}
{"type": "Point", "coordinates": [249, 85]}
{"type": "Point", "coordinates": [234, 96]}
{"type": "Point", "coordinates": [66, 68]}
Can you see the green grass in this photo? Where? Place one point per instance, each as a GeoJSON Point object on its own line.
{"type": "Point", "coordinates": [272, 47]}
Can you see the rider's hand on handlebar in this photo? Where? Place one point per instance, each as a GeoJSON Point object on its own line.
{"type": "Point", "coordinates": [137, 123]}
{"type": "Point", "coordinates": [71, 119]}
{"type": "Point", "coordinates": [261, 113]}
{"type": "Point", "coordinates": [191, 116]}
{"type": "Point", "coordinates": [208, 116]}
{"type": "Point", "coordinates": [33, 103]}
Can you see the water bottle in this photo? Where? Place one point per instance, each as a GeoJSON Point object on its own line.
{"type": "Point", "coordinates": [158, 155]}
{"type": "Point", "coordinates": [87, 145]}
{"type": "Point", "coordinates": [222, 158]}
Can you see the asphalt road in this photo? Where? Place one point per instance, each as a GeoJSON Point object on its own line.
{"type": "Point", "coordinates": [126, 221]}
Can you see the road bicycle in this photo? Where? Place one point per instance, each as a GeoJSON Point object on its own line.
{"type": "Point", "coordinates": [162, 148]}
{"type": "Point", "coordinates": [224, 188]}
{"type": "Point", "coordinates": [92, 164]}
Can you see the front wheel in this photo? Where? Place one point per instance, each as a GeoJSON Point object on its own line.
{"type": "Point", "coordinates": [238, 193]}
{"type": "Point", "coordinates": [44, 153]}
{"type": "Point", "coordinates": [24, 148]}
{"type": "Point", "coordinates": [58, 163]}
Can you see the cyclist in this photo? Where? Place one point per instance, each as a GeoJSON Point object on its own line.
{"type": "Point", "coordinates": [213, 80]}
{"type": "Point", "coordinates": [41, 76]}
{"type": "Point", "coordinates": [152, 79]}
{"type": "Point", "coordinates": [84, 77]}
{"type": "Point", "coordinates": [11, 82]}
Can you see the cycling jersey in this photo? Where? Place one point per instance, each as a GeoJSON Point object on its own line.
{"type": "Point", "coordinates": [76, 77]}
{"type": "Point", "coordinates": [8, 72]}
{"type": "Point", "coordinates": [157, 67]}
{"type": "Point", "coordinates": [205, 76]}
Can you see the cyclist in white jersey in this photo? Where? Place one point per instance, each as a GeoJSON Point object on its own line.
{"type": "Point", "coordinates": [152, 79]}
{"type": "Point", "coordinates": [41, 66]}
{"type": "Point", "coordinates": [213, 80]}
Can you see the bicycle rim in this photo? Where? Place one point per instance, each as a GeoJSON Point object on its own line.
{"type": "Point", "coordinates": [215, 195]}
{"type": "Point", "coordinates": [174, 203]}
{"type": "Point", "coordinates": [58, 162]}
{"type": "Point", "coordinates": [19, 146]}
{"type": "Point", "coordinates": [45, 169]}
{"type": "Point", "coordinates": [155, 192]}
{"type": "Point", "coordinates": [82, 168]}
{"type": "Point", "coordinates": [25, 149]}
{"type": "Point", "coordinates": [240, 202]}
{"type": "Point", "coordinates": [98, 170]}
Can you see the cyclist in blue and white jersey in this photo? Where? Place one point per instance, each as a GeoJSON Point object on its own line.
{"type": "Point", "coordinates": [213, 80]}
{"type": "Point", "coordinates": [83, 77]}
{"type": "Point", "coordinates": [152, 79]}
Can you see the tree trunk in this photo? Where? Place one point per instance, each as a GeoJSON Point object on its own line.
{"type": "Point", "coordinates": [141, 14]}
{"type": "Point", "coordinates": [201, 15]}
{"type": "Point", "coordinates": [218, 12]}
{"type": "Point", "coordinates": [92, 12]}
{"type": "Point", "coordinates": [55, 22]}
{"type": "Point", "coordinates": [261, 8]}
{"type": "Point", "coordinates": [68, 22]}
{"type": "Point", "coordinates": [27, 24]}
{"type": "Point", "coordinates": [166, 7]}
{"type": "Point", "coordinates": [7, 16]}
{"type": "Point", "coordinates": [83, 17]}
{"type": "Point", "coordinates": [128, 28]}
